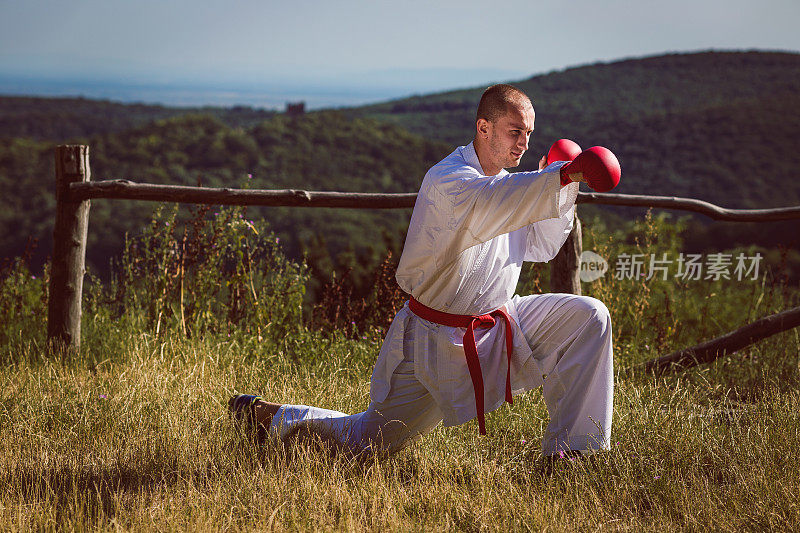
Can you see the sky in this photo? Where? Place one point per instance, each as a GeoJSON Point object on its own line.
{"type": "Point", "coordinates": [361, 48]}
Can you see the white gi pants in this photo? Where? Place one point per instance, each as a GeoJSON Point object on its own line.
{"type": "Point", "coordinates": [570, 337]}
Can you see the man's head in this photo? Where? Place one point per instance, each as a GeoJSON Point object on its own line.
{"type": "Point", "coordinates": [503, 126]}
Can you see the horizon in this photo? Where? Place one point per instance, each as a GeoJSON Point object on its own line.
{"type": "Point", "coordinates": [318, 94]}
{"type": "Point", "coordinates": [331, 93]}
{"type": "Point", "coordinates": [351, 52]}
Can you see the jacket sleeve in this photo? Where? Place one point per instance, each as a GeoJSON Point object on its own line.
{"type": "Point", "coordinates": [477, 208]}
{"type": "Point", "coordinates": [546, 237]}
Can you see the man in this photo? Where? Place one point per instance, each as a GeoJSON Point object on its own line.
{"type": "Point", "coordinates": [464, 343]}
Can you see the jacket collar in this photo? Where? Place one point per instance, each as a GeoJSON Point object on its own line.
{"type": "Point", "coordinates": [471, 157]}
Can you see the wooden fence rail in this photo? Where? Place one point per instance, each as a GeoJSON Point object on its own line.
{"type": "Point", "coordinates": [225, 196]}
{"type": "Point", "coordinates": [74, 191]}
{"type": "Point", "coordinates": [130, 190]}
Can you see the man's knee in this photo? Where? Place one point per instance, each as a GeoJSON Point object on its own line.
{"type": "Point", "coordinates": [593, 331]}
{"type": "Point", "coordinates": [593, 312]}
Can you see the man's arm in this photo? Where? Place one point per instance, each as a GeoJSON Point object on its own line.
{"type": "Point", "coordinates": [546, 237]}
{"type": "Point", "coordinates": [480, 208]}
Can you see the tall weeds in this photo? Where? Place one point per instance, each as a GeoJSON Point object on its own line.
{"type": "Point", "coordinates": [132, 433]}
{"type": "Point", "coordinates": [218, 274]}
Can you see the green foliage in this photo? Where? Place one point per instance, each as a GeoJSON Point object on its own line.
{"type": "Point", "coordinates": [715, 126]}
{"type": "Point", "coordinates": [23, 306]}
{"type": "Point", "coordinates": [654, 315]}
{"type": "Point", "coordinates": [347, 306]}
{"type": "Point", "coordinates": [64, 119]}
{"type": "Point", "coordinates": [581, 99]}
{"type": "Point", "coordinates": [222, 274]}
{"type": "Point", "coordinates": [659, 312]}
{"type": "Point", "coordinates": [132, 433]}
{"type": "Point", "coordinates": [27, 205]}
{"type": "Point", "coordinates": [320, 151]}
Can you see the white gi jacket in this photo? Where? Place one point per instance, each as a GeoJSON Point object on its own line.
{"type": "Point", "coordinates": [468, 236]}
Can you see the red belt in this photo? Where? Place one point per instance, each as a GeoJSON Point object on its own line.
{"type": "Point", "coordinates": [470, 348]}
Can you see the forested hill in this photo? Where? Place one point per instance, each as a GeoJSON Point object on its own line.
{"type": "Point", "coordinates": [61, 119]}
{"type": "Point", "coordinates": [723, 127]}
{"type": "Point", "coordinates": [319, 151]}
{"type": "Point", "coordinates": [720, 126]}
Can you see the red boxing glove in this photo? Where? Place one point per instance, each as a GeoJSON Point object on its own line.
{"type": "Point", "coordinates": [597, 166]}
{"type": "Point", "coordinates": [563, 150]}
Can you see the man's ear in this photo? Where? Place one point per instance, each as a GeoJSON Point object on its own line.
{"type": "Point", "coordinates": [484, 127]}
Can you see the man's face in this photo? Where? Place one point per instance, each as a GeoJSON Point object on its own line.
{"type": "Point", "coordinates": [508, 136]}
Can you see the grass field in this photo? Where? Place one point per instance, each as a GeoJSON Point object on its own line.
{"type": "Point", "coordinates": [132, 433]}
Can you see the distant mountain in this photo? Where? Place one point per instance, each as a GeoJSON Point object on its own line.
{"type": "Point", "coordinates": [317, 151]}
{"type": "Point", "coordinates": [719, 126]}
{"type": "Point", "coordinates": [722, 127]}
{"type": "Point", "coordinates": [63, 119]}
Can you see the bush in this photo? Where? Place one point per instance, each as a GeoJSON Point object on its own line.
{"type": "Point", "coordinates": [23, 306]}
{"type": "Point", "coordinates": [220, 273]}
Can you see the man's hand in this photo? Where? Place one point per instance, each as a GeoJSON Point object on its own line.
{"type": "Point", "coordinates": [597, 166]}
{"type": "Point", "coordinates": [543, 162]}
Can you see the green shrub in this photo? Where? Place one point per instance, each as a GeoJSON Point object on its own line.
{"type": "Point", "coordinates": [23, 308]}
{"type": "Point", "coordinates": [218, 274]}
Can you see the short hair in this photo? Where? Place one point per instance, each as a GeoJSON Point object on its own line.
{"type": "Point", "coordinates": [498, 98]}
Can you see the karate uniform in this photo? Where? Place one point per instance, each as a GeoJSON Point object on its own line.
{"type": "Point", "coordinates": [468, 237]}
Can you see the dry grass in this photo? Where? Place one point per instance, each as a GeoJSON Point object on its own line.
{"type": "Point", "coordinates": [133, 434]}
{"type": "Point", "coordinates": [142, 441]}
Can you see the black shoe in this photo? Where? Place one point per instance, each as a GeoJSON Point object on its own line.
{"type": "Point", "coordinates": [242, 409]}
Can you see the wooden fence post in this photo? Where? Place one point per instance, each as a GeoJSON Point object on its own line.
{"type": "Point", "coordinates": [69, 249]}
{"type": "Point", "coordinates": [565, 268]}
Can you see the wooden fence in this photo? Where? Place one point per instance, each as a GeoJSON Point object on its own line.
{"type": "Point", "coordinates": [74, 189]}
